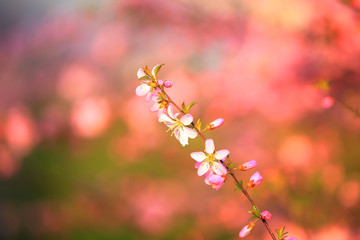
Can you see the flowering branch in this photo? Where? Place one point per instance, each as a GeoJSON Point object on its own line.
{"type": "Point", "coordinates": [214, 165]}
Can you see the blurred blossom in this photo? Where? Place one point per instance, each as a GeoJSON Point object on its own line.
{"type": "Point", "coordinates": [19, 130]}
{"type": "Point", "coordinates": [335, 232]}
{"type": "Point", "coordinates": [78, 81]}
{"type": "Point", "coordinates": [349, 193]}
{"type": "Point", "coordinates": [90, 117]}
{"type": "Point", "coordinates": [333, 177]}
{"type": "Point", "coordinates": [296, 151]}
{"type": "Point", "coordinates": [8, 164]}
{"type": "Point", "coordinates": [327, 102]}
{"type": "Point", "coordinates": [109, 44]}
{"type": "Point", "coordinates": [155, 205]}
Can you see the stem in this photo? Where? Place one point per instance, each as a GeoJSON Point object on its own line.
{"type": "Point", "coordinates": [347, 106]}
{"type": "Point", "coordinates": [230, 172]}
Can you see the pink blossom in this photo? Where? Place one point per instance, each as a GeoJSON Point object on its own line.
{"type": "Point", "coordinates": [266, 215]}
{"type": "Point", "coordinates": [147, 88]}
{"type": "Point", "coordinates": [246, 230]}
{"type": "Point", "coordinates": [159, 106]}
{"type": "Point", "coordinates": [289, 238]}
{"type": "Point", "coordinates": [248, 165]}
{"type": "Point", "coordinates": [168, 84]}
{"type": "Point", "coordinates": [255, 180]}
{"type": "Point", "coordinates": [209, 159]}
{"type": "Point", "coordinates": [178, 126]}
{"type": "Point", "coordinates": [215, 124]}
{"type": "Point", "coordinates": [216, 181]}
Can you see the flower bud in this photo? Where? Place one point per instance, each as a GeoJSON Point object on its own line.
{"type": "Point", "coordinates": [168, 84]}
{"type": "Point", "coordinates": [246, 230]}
{"type": "Point", "coordinates": [255, 180]}
{"type": "Point", "coordinates": [266, 215]}
{"type": "Point", "coordinates": [215, 124]}
{"type": "Point", "coordinates": [289, 238]}
{"type": "Point", "coordinates": [248, 165]}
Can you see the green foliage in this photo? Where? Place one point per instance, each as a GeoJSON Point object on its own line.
{"type": "Point", "coordinates": [157, 69]}
{"type": "Point", "coordinates": [238, 187]}
{"type": "Point", "coordinates": [281, 233]}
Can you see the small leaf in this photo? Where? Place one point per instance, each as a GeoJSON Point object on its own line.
{"type": "Point", "coordinates": [198, 124]}
{"type": "Point", "coordinates": [147, 71]}
{"type": "Point", "coordinates": [238, 186]}
{"type": "Point", "coordinates": [190, 105]}
{"type": "Point", "coordinates": [156, 69]}
{"type": "Point", "coordinates": [145, 78]}
{"type": "Point", "coordinates": [183, 107]}
{"type": "Point", "coordinates": [256, 212]}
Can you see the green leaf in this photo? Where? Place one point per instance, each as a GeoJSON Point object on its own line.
{"type": "Point", "coordinates": [198, 124]}
{"type": "Point", "coordinates": [183, 108]}
{"type": "Point", "coordinates": [281, 233]}
{"type": "Point", "coordinates": [157, 69]}
{"type": "Point", "coordinates": [190, 105]}
{"type": "Point", "coordinates": [238, 186]}
{"type": "Point", "coordinates": [145, 78]}
{"type": "Point", "coordinates": [256, 212]}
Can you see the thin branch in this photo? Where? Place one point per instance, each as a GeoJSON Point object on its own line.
{"type": "Point", "coordinates": [230, 172]}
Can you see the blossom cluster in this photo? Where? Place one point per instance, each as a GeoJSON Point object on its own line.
{"type": "Point", "coordinates": [211, 164]}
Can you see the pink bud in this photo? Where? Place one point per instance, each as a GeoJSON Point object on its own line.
{"type": "Point", "coordinates": [215, 124]}
{"type": "Point", "coordinates": [216, 181]}
{"type": "Point", "coordinates": [168, 84]}
{"type": "Point", "coordinates": [246, 230]}
{"type": "Point", "coordinates": [255, 180]}
{"type": "Point", "coordinates": [248, 165]}
{"type": "Point", "coordinates": [266, 215]}
{"type": "Point", "coordinates": [289, 238]}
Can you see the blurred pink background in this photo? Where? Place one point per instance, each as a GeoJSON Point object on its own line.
{"type": "Point", "coordinates": [82, 157]}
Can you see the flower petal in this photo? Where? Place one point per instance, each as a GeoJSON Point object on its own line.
{"type": "Point", "coordinates": [141, 73]}
{"type": "Point", "coordinates": [221, 154]}
{"type": "Point", "coordinates": [142, 90]}
{"type": "Point", "coordinates": [198, 156]}
{"type": "Point", "coordinates": [186, 119]}
{"type": "Point", "coordinates": [155, 107]}
{"type": "Point", "coordinates": [218, 168]}
{"type": "Point", "coordinates": [165, 119]}
{"type": "Point", "coordinates": [191, 133]}
{"type": "Point", "coordinates": [204, 167]}
{"type": "Point", "coordinates": [209, 146]}
{"type": "Point", "coordinates": [171, 112]}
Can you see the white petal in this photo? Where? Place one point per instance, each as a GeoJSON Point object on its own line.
{"type": "Point", "coordinates": [186, 119]}
{"type": "Point", "coordinates": [165, 118]}
{"type": "Point", "coordinates": [141, 73]}
{"type": "Point", "coordinates": [219, 169]}
{"type": "Point", "coordinates": [209, 146]}
{"type": "Point", "coordinates": [183, 138]}
{"type": "Point", "coordinates": [198, 156]}
{"type": "Point", "coordinates": [171, 112]}
{"type": "Point", "coordinates": [221, 154]}
{"type": "Point", "coordinates": [142, 90]}
{"type": "Point", "coordinates": [204, 167]}
{"type": "Point", "coordinates": [191, 133]}
{"type": "Point", "coordinates": [155, 107]}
